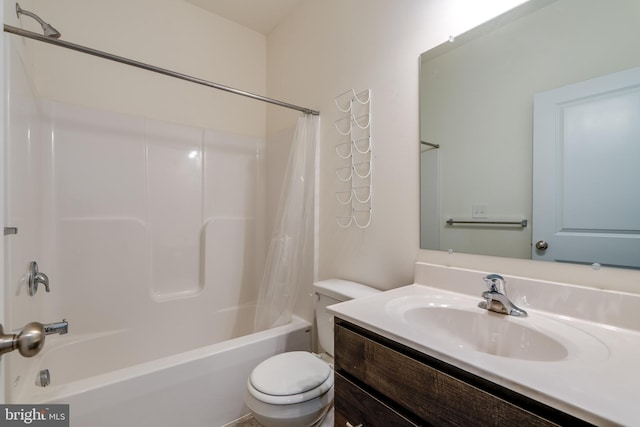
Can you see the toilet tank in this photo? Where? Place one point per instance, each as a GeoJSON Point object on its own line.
{"type": "Point", "coordinates": [329, 292]}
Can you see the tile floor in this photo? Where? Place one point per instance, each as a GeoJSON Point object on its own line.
{"type": "Point", "coordinates": [246, 421]}
{"type": "Point", "coordinates": [249, 421]}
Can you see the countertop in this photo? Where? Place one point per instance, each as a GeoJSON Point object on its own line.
{"type": "Point", "coordinates": [598, 382]}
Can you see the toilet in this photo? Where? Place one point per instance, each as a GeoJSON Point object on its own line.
{"type": "Point", "coordinates": [295, 389]}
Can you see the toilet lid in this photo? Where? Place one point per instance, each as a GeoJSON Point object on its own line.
{"type": "Point", "coordinates": [289, 373]}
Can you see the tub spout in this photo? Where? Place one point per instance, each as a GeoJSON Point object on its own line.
{"type": "Point", "coordinates": [57, 328]}
{"type": "Point", "coordinates": [30, 340]}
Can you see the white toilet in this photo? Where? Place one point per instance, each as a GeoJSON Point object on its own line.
{"type": "Point", "coordinates": [295, 389]}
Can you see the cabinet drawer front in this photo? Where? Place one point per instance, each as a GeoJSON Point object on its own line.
{"type": "Point", "coordinates": [432, 395]}
{"type": "Point", "coordinates": [357, 407]}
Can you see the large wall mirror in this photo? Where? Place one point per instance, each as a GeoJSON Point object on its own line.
{"type": "Point", "coordinates": [530, 135]}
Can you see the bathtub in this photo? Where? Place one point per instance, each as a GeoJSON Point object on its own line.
{"type": "Point", "coordinates": [107, 381]}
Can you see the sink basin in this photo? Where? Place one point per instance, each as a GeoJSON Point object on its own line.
{"type": "Point", "coordinates": [488, 332]}
{"type": "Point", "coordinates": [457, 325]}
{"type": "Point", "coordinates": [580, 359]}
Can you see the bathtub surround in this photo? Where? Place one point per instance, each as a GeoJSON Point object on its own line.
{"type": "Point", "coordinates": [290, 249]}
{"type": "Point", "coordinates": [136, 221]}
{"type": "Point", "coordinates": [148, 229]}
{"type": "Point", "coordinates": [175, 210]}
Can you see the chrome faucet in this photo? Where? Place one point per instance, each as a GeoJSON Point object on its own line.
{"type": "Point", "coordinates": [35, 277]}
{"type": "Point", "coordinates": [495, 299]}
{"type": "Point", "coordinates": [60, 328]}
{"type": "Point", "coordinates": [30, 339]}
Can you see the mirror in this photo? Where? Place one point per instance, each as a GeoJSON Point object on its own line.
{"type": "Point", "coordinates": [477, 119]}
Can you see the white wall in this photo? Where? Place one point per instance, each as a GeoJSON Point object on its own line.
{"type": "Point", "coordinates": [131, 219]}
{"type": "Point", "coordinates": [170, 34]}
{"type": "Point", "coordinates": [327, 47]}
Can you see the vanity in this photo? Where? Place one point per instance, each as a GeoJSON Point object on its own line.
{"type": "Point", "coordinates": [380, 382]}
{"type": "Point", "coordinates": [426, 354]}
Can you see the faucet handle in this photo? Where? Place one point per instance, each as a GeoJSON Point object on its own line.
{"type": "Point", "coordinates": [495, 283]}
{"type": "Point", "coordinates": [35, 278]}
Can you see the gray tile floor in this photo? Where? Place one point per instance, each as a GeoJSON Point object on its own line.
{"type": "Point", "coordinates": [249, 421]}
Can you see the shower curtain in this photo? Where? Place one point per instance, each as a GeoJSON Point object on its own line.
{"type": "Point", "coordinates": [290, 246]}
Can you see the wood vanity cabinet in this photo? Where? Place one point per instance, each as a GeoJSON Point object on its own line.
{"type": "Point", "coordinates": [379, 382]}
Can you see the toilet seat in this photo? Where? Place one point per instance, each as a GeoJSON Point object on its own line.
{"type": "Point", "coordinates": [289, 378]}
{"type": "Point", "coordinates": [292, 398]}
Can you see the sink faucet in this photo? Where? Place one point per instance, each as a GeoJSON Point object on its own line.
{"type": "Point", "coordinates": [495, 299]}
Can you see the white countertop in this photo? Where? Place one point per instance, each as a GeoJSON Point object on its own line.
{"type": "Point", "coordinates": [599, 380]}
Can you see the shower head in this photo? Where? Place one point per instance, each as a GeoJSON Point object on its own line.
{"type": "Point", "coordinates": [48, 30]}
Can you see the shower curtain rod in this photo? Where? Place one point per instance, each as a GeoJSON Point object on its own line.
{"type": "Point", "coordinates": [142, 65]}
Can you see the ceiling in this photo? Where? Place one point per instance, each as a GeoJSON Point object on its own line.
{"type": "Point", "coordinates": [259, 15]}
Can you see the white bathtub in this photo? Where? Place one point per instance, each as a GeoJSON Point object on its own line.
{"type": "Point", "coordinates": [107, 383]}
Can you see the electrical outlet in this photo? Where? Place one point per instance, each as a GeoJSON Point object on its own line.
{"type": "Point", "coordinates": [479, 210]}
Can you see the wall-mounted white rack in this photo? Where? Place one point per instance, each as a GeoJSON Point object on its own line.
{"type": "Point", "coordinates": [355, 151]}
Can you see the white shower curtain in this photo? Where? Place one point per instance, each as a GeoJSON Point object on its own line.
{"type": "Point", "coordinates": [290, 249]}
